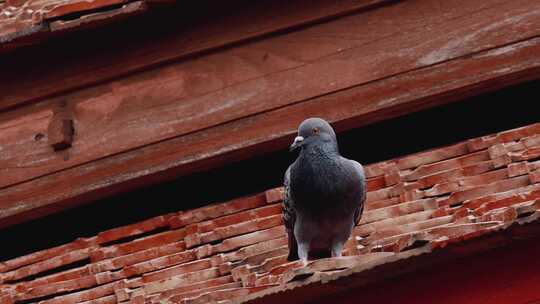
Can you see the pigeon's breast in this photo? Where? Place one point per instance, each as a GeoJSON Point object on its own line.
{"type": "Point", "coordinates": [324, 186]}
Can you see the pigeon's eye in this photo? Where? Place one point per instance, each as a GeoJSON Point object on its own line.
{"type": "Point", "coordinates": [315, 131]}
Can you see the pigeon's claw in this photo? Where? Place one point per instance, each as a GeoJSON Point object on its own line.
{"type": "Point", "coordinates": [337, 248]}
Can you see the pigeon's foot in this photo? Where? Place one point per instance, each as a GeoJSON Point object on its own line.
{"type": "Point", "coordinates": [337, 248]}
{"type": "Point", "coordinates": [303, 251]}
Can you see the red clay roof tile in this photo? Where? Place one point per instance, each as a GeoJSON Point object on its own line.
{"type": "Point", "coordinates": [235, 251]}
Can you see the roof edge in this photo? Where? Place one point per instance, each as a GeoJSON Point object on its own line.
{"type": "Point", "coordinates": [399, 264]}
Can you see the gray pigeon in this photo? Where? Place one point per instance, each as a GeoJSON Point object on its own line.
{"type": "Point", "coordinates": [324, 194]}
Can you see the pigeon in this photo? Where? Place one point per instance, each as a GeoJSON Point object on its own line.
{"type": "Point", "coordinates": [324, 194]}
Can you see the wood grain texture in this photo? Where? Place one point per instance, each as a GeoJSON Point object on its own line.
{"type": "Point", "coordinates": [270, 130]}
{"type": "Point", "coordinates": [249, 99]}
{"type": "Point", "coordinates": [181, 34]}
{"type": "Point", "coordinates": [185, 97]}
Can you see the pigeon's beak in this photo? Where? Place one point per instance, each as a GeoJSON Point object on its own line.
{"type": "Point", "coordinates": [297, 143]}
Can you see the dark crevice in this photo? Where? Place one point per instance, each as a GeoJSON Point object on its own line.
{"type": "Point", "coordinates": [79, 14]}
{"type": "Point", "coordinates": [215, 242]}
{"type": "Point", "coordinates": [534, 159]}
{"type": "Point", "coordinates": [455, 205]}
{"type": "Point", "coordinates": [442, 195]}
{"type": "Point", "coordinates": [416, 244]}
{"type": "Point", "coordinates": [526, 214]}
{"type": "Point", "coordinates": [473, 117]}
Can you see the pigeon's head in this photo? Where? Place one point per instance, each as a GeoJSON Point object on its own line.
{"type": "Point", "coordinates": [315, 132]}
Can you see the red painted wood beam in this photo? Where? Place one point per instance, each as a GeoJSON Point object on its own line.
{"type": "Point", "coordinates": [501, 267]}
{"type": "Point", "coordinates": [500, 276]}
{"type": "Point", "coordinates": [99, 56]}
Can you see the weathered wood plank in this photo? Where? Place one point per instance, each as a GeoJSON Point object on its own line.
{"type": "Point", "coordinates": [182, 98]}
{"type": "Point", "coordinates": [184, 33]}
{"type": "Point", "coordinates": [363, 104]}
{"type": "Point", "coordinates": [103, 64]}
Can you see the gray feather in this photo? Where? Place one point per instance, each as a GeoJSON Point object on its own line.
{"type": "Point", "coordinates": [289, 218]}
{"type": "Point", "coordinates": [324, 194]}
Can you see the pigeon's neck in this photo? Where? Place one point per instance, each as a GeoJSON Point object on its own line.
{"type": "Point", "coordinates": [328, 151]}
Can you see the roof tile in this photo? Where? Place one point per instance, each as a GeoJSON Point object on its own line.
{"type": "Point", "coordinates": [132, 230]}
{"type": "Point", "coordinates": [138, 245]}
{"type": "Point", "coordinates": [481, 143]}
{"type": "Point", "coordinates": [237, 250]}
{"type": "Point", "coordinates": [45, 254]}
{"type": "Point", "coordinates": [51, 263]}
{"type": "Point", "coordinates": [432, 156]}
{"type": "Point", "coordinates": [518, 133]}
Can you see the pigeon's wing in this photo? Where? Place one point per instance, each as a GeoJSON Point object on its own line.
{"type": "Point", "coordinates": [360, 208]}
{"type": "Point", "coordinates": [289, 217]}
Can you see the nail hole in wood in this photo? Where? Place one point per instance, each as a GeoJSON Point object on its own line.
{"type": "Point", "coordinates": [39, 137]}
